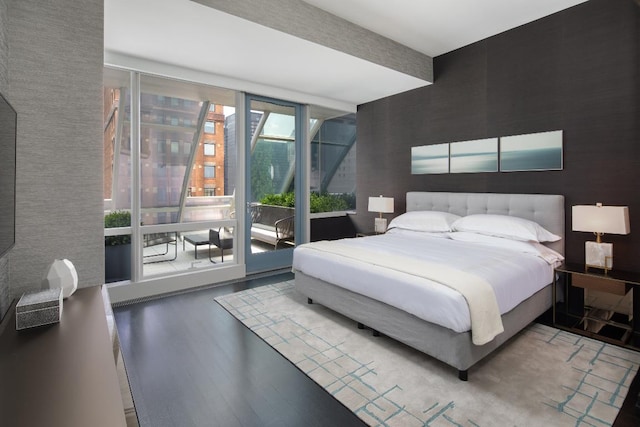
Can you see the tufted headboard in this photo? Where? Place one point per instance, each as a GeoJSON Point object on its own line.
{"type": "Point", "coordinates": [545, 209]}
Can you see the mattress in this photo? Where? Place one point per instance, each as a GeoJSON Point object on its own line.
{"type": "Point", "coordinates": [513, 275]}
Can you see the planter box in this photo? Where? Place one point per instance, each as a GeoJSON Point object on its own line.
{"type": "Point", "coordinates": [117, 263]}
{"type": "Point", "coordinates": [332, 228]}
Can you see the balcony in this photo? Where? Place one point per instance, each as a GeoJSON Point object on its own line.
{"type": "Point", "coordinates": [190, 252]}
{"type": "Point", "coordinates": [183, 247]}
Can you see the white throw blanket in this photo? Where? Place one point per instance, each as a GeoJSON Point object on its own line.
{"type": "Point", "coordinates": [486, 322]}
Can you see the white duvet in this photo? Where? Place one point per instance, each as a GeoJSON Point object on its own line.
{"type": "Point", "coordinates": [513, 275]}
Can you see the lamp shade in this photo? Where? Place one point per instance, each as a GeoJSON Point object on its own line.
{"type": "Point", "coordinates": [601, 219]}
{"type": "Point", "coordinates": [381, 204]}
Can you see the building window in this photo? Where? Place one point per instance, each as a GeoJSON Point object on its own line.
{"type": "Point", "coordinates": [209, 171]}
{"type": "Point", "coordinates": [212, 107]}
{"type": "Point", "coordinates": [209, 190]}
{"type": "Point", "coordinates": [210, 127]}
{"type": "Point", "coordinates": [209, 149]}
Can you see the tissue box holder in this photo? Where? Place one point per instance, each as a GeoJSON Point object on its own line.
{"type": "Point", "coordinates": [39, 308]}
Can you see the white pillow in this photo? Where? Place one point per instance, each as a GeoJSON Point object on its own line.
{"type": "Point", "coordinates": [430, 221]}
{"type": "Point", "coordinates": [509, 227]}
{"type": "Point", "coordinates": [426, 234]}
{"type": "Point", "coordinates": [535, 248]}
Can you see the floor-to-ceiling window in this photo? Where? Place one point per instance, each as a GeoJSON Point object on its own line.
{"type": "Point", "coordinates": [180, 170]}
{"type": "Point", "coordinates": [333, 163]}
{"type": "Point", "coordinates": [172, 172]}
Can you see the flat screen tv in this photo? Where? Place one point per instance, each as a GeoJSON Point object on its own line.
{"type": "Point", "coordinates": [8, 125]}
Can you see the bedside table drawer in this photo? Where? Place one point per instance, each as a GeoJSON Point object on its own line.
{"type": "Point", "coordinates": [598, 284]}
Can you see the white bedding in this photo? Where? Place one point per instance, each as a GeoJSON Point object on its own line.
{"type": "Point", "coordinates": [514, 275]}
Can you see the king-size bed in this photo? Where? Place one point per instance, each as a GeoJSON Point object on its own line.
{"type": "Point", "coordinates": [455, 277]}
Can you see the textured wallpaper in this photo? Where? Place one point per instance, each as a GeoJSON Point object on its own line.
{"type": "Point", "coordinates": [5, 294]}
{"type": "Point", "coordinates": [55, 84]}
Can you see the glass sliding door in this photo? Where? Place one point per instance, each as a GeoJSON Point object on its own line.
{"type": "Point", "coordinates": [273, 141]}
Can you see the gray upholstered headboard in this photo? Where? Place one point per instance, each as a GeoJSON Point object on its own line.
{"type": "Point", "coordinates": [545, 209]}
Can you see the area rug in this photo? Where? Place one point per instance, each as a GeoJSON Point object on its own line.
{"type": "Point", "coordinates": [541, 377]}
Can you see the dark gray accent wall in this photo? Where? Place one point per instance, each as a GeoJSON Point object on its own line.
{"type": "Point", "coordinates": [310, 23]}
{"type": "Point", "coordinates": [55, 84]}
{"type": "Point", "coordinates": [577, 70]}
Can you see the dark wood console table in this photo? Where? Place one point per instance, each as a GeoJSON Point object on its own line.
{"type": "Point", "coordinates": [63, 374]}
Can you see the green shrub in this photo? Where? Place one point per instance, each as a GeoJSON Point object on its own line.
{"type": "Point", "coordinates": [319, 202]}
{"type": "Point", "coordinates": [326, 203]}
{"type": "Point", "coordinates": [117, 219]}
{"type": "Point", "coordinates": [350, 200]}
{"type": "Point", "coordinates": [284, 199]}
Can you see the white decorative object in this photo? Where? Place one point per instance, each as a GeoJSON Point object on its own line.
{"type": "Point", "coordinates": [62, 274]}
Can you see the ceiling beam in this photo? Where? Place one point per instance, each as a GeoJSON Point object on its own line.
{"type": "Point", "coordinates": [302, 20]}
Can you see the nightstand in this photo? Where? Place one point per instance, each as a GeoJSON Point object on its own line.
{"type": "Point", "coordinates": [574, 315]}
{"type": "Point", "coordinates": [368, 233]}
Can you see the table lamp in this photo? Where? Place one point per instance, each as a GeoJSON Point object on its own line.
{"type": "Point", "coordinates": [599, 220]}
{"type": "Point", "coordinates": [381, 205]}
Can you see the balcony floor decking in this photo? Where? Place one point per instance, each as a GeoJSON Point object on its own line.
{"type": "Point", "coordinates": [155, 263]}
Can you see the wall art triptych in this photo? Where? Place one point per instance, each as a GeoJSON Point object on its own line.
{"type": "Point", "coordinates": [530, 152]}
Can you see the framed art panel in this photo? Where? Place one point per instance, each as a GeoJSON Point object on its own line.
{"type": "Point", "coordinates": [430, 159]}
{"type": "Point", "coordinates": [531, 152]}
{"type": "Point", "coordinates": [480, 155]}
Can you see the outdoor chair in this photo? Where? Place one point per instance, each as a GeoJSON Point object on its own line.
{"type": "Point", "coordinates": [222, 238]}
{"type": "Point", "coordinates": [153, 239]}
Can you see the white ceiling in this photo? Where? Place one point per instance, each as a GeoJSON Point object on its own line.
{"type": "Point", "coordinates": [434, 27]}
{"type": "Point", "coordinates": [232, 52]}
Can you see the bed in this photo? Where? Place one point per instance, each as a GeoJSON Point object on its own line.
{"type": "Point", "coordinates": [320, 281]}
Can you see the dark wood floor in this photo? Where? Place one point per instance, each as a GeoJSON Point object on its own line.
{"type": "Point", "coordinates": [190, 363]}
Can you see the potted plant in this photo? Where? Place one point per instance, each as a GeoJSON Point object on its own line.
{"type": "Point", "coordinates": [117, 249]}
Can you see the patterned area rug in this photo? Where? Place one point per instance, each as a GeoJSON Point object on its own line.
{"type": "Point", "coordinates": [542, 377]}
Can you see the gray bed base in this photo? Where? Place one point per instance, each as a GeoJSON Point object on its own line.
{"type": "Point", "coordinates": [453, 348]}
